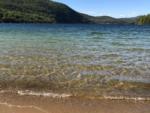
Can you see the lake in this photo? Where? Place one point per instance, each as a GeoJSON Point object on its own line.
{"type": "Point", "coordinates": [77, 59]}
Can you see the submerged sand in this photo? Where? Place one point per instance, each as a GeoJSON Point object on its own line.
{"type": "Point", "coordinates": [13, 103]}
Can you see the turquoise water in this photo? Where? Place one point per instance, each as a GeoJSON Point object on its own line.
{"type": "Point", "coordinates": [80, 59]}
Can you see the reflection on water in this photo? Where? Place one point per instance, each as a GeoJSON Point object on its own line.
{"type": "Point", "coordinates": [100, 59]}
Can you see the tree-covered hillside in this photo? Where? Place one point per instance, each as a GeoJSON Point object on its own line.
{"type": "Point", "coordinates": [38, 11]}
{"type": "Point", "coordinates": [144, 20]}
{"type": "Point", "coordinates": [48, 11]}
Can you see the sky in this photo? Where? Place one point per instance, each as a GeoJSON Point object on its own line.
{"type": "Point", "coordinates": [114, 8]}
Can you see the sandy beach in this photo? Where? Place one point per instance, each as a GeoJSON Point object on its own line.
{"type": "Point", "coordinates": [13, 103]}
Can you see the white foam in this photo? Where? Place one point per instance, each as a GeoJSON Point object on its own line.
{"type": "Point", "coordinates": [63, 95]}
{"type": "Point", "coordinates": [53, 95]}
{"type": "Point", "coordinates": [126, 98]}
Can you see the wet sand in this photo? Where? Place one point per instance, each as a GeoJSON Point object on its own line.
{"type": "Point", "coordinates": [12, 103]}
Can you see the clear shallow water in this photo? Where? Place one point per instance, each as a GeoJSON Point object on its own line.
{"type": "Point", "coordinates": [90, 60]}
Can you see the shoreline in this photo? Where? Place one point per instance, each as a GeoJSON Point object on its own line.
{"type": "Point", "coordinates": [14, 103]}
{"type": "Point", "coordinates": [61, 95]}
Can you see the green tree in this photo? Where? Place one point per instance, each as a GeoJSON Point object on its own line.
{"type": "Point", "coordinates": [144, 20]}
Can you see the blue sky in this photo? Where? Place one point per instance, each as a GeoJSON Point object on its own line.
{"type": "Point", "coordinates": [115, 8]}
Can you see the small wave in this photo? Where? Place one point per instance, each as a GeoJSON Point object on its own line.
{"type": "Point", "coordinates": [98, 33]}
{"type": "Point", "coordinates": [53, 95]}
{"type": "Point", "coordinates": [63, 95]}
{"type": "Point", "coordinates": [126, 98]}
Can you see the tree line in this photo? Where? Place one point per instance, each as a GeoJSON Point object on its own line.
{"type": "Point", "coordinates": [144, 20]}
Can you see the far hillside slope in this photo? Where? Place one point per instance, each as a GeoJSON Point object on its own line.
{"type": "Point", "coordinates": [38, 11]}
{"type": "Point", "coordinates": [48, 11]}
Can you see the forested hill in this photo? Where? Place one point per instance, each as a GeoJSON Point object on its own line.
{"type": "Point", "coordinates": [38, 11]}
{"type": "Point", "coordinates": [144, 20]}
{"type": "Point", "coordinates": [48, 11]}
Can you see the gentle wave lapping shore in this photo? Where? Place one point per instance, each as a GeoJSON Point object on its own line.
{"type": "Point", "coordinates": [31, 102]}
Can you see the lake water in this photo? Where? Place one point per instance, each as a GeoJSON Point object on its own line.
{"type": "Point", "coordinates": [87, 60]}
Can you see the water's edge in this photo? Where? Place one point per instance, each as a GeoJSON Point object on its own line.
{"type": "Point", "coordinates": [67, 95]}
